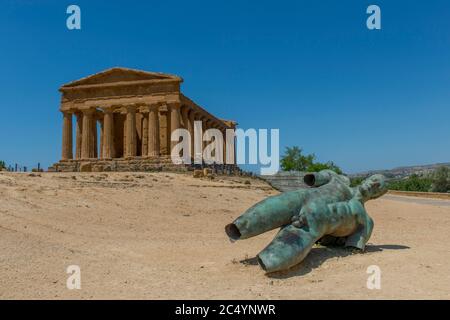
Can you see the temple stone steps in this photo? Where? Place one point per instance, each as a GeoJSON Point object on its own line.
{"type": "Point", "coordinates": [126, 165]}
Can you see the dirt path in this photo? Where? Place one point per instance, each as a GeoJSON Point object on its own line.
{"type": "Point", "coordinates": [160, 236]}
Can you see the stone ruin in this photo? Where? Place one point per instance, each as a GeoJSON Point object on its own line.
{"type": "Point", "coordinates": [135, 113]}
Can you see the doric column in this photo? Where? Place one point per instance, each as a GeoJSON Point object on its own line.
{"type": "Point", "coordinates": [191, 120]}
{"type": "Point", "coordinates": [144, 140]}
{"type": "Point", "coordinates": [88, 142]}
{"type": "Point", "coordinates": [174, 123]}
{"type": "Point", "coordinates": [217, 151]}
{"type": "Point", "coordinates": [205, 127]}
{"type": "Point", "coordinates": [131, 132]}
{"type": "Point", "coordinates": [210, 125]}
{"type": "Point", "coordinates": [153, 132]}
{"type": "Point", "coordinates": [165, 113]}
{"type": "Point", "coordinates": [184, 117]}
{"type": "Point", "coordinates": [94, 135]}
{"type": "Point", "coordinates": [78, 135]}
{"type": "Point", "coordinates": [124, 138]}
{"type": "Point", "coordinates": [108, 134]}
{"type": "Point", "coordinates": [234, 139]}
{"type": "Point", "coordinates": [67, 136]}
{"type": "Point", "coordinates": [224, 134]}
{"type": "Point", "coordinates": [186, 125]}
{"type": "Point", "coordinates": [101, 121]}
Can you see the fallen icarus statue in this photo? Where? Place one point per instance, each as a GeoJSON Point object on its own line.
{"type": "Point", "coordinates": [331, 212]}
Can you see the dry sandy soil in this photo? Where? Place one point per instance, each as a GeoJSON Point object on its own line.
{"type": "Point", "coordinates": [160, 236]}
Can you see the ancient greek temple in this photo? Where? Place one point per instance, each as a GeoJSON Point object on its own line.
{"type": "Point", "coordinates": [123, 121]}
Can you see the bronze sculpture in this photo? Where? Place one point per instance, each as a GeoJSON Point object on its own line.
{"type": "Point", "coordinates": [329, 212]}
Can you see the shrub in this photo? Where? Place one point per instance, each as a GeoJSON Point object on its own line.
{"type": "Point", "coordinates": [294, 160]}
{"type": "Point", "coordinates": [441, 180]}
{"type": "Point", "coordinates": [318, 166]}
{"type": "Point", "coordinates": [412, 183]}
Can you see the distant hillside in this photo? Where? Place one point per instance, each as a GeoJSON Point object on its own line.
{"type": "Point", "coordinates": [402, 172]}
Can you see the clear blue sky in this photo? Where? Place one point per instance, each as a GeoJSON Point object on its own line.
{"type": "Point", "coordinates": [364, 99]}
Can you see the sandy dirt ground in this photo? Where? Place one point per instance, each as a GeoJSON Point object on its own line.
{"type": "Point", "coordinates": [161, 236]}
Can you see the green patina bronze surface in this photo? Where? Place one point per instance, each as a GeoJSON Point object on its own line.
{"type": "Point", "coordinates": [329, 212]}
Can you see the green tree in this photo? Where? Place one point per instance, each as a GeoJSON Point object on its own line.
{"type": "Point", "coordinates": [2, 165]}
{"type": "Point", "coordinates": [441, 180]}
{"type": "Point", "coordinates": [293, 160]}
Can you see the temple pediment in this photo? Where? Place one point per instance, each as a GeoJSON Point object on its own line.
{"type": "Point", "coordinates": [115, 75]}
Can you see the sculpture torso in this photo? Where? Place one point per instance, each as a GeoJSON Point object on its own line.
{"type": "Point", "coordinates": [332, 208]}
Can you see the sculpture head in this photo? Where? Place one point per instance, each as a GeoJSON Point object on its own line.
{"type": "Point", "coordinates": [373, 187]}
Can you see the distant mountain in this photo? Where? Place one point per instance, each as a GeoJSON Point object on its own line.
{"type": "Point", "coordinates": [402, 172]}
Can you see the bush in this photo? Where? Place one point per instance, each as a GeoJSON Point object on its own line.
{"type": "Point", "coordinates": [318, 166]}
{"type": "Point", "coordinates": [441, 180]}
{"type": "Point", "coordinates": [294, 160]}
{"type": "Point", "coordinates": [2, 165]}
{"type": "Point", "coordinates": [438, 181]}
{"type": "Point", "coordinates": [412, 183]}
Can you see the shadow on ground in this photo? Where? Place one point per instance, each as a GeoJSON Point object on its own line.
{"type": "Point", "coordinates": [319, 255]}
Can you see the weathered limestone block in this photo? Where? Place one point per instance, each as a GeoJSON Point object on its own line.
{"type": "Point", "coordinates": [86, 167]}
{"type": "Point", "coordinates": [97, 168]}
